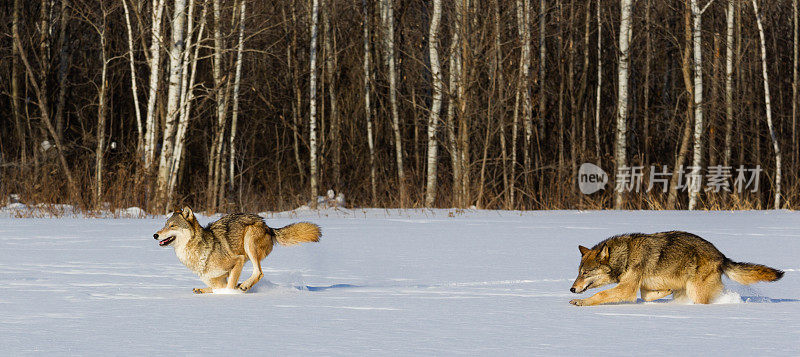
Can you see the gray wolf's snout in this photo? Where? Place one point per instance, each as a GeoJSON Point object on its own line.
{"type": "Point", "coordinates": [155, 236]}
{"type": "Point", "coordinates": [572, 290]}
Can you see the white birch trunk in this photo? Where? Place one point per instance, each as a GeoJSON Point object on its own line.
{"type": "Point", "coordinates": [768, 107]}
{"type": "Point", "coordinates": [187, 95]}
{"type": "Point", "coordinates": [436, 105]}
{"type": "Point", "coordinates": [728, 82]}
{"type": "Point", "coordinates": [236, 81]}
{"type": "Point", "coordinates": [173, 97]}
{"type": "Point", "coordinates": [151, 121]}
{"type": "Point", "coordinates": [599, 84]}
{"type": "Point", "coordinates": [101, 117]}
{"type": "Point", "coordinates": [368, 105]}
{"type": "Point", "coordinates": [542, 68]}
{"type": "Point", "coordinates": [398, 144]}
{"type": "Point", "coordinates": [524, 32]}
{"type": "Point", "coordinates": [622, 96]}
{"type": "Point", "coordinates": [134, 89]}
{"type": "Point", "coordinates": [795, 35]}
{"type": "Point", "coordinates": [697, 40]}
{"type": "Point", "coordinates": [312, 126]}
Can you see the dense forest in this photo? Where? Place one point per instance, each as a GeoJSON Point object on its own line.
{"type": "Point", "coordinates": [241, 105]}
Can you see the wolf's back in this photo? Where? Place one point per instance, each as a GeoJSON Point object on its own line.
{"type": "Point", "coordinates": [297, 233]}
{"type": "Point", "coordinates": [749, 273]}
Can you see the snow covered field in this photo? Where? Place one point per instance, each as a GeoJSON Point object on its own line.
{"type": "Point", "coordinates": [388, 283]}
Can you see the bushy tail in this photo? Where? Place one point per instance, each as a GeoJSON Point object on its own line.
{"type": "Point", "coordinates": [297, 233]}
{"type": "Point", "coordinates": [748, 273]}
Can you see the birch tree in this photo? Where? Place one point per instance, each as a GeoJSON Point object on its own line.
{"type": "Point", "coordinates": [388, 38]}
{"type": "Point", "coordinates": [620, 144]}
{"type": "Point", "coordinates": [768, 107]}
{"type": "Point", "coordinates": [134, 89]}
{"type": "Point", "coordinates": [368, 104]}
{"type": "Point", "coordinates": [524, 32]}
{"type": "Point", "coordinates": [102, 110]}
{"type": "Point", "coordinates": [312, 122]}
{"type": "Point", "coordinates": [173, 96]}
{"type": "Point", "coordinates": [187, 95]}
{"type": "Point", "coordinates": [795, 35]}
{"type": "Point", "coordinates": [155, 80]}
{"type": "Point", "coordinates": [697, 40]}
{"type": "Point", "coordinates": [599, 85]}
{"type": "Point", "coordinates": [729, 18]}
{"type": "Point", "coordinates": [236, 84]}
{"type": "Point", "coordinates": [436, 105]}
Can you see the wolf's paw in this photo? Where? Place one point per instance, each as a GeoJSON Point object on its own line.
{"type": "Point", "coordinates": [198, 291]}
{"type": "Point", "coordinates": [578, 302]}
{"type": "Point", "coordinates": [243, 288]}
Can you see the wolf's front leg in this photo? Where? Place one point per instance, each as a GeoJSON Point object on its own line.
{"type": "Point", "coordinates": [213, 283]}
{"type": "Point", "coordinates": [615, 294]}
{"type": "Point", "coordinates": [650, 295]}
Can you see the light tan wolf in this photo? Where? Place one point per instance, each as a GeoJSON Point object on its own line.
{"type": "Point", "coordinates": [659, 264]}
{"type": "Point", "coordinates": [217, 252]}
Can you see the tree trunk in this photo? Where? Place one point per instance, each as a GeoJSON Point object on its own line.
{"type": "Point", "coordinates": [187, 96]}
{"type": "Point", "coordinates": [796, 34]}
{"type": "Point", "coordinates": [236, 82]}
{"type": "Point", "coordinates": [398, 144]}
{"type": "Point", "coordinates": [599, 84]}
{"type": "Point", "coordinates": [524, 32]}
{"type": "Point", "coordinates": [63, 67]}
{"type": "Point", "coordinates": [622, 97]}
{"type": "Point", "coordinates": [173, 96]}
{"type": "Point", "coordinates": [155, 80]}
{"type": "Point", "coordinates": [15, 92]}
{"type": "Point", "coordinates": [368, 105]}
{"type": "Point", "coordinates": [697, 159]}
{"type": "Point", "coordinates": [647, 59]}
{"type": "Point", "coordinates": [220, 85]}
{"type": "Point", "coordinates": [728, 82]}
{"type": "Point", "coordinates": [501, 86]}
{"type": "Point", "coordinates": [101, 117]}
{"type": "Point", "coordinates": [312, 141]}
{"type": "Point", "coordinates": [134, 89]}
{"type": "Point", "coordinates": [768, 108]}
{"type": "Point", "coordinates": [436, 105]}
{"type": "Point", "coordinates": [683, 151]}
{"type": "Point", "coordinates": [330, 66]}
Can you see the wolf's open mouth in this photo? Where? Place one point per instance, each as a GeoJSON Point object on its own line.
{"type": "Point", "coordinates": [166, 241]}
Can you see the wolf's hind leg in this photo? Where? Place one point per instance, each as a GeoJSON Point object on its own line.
{"type": "Point", "coordinates": [233, 276]}
{"type": "Point", "coordinates": [213, 283]}
{"type": "Point", "coordinates": [650, 295]}
{"type": "Point", "coordinates": [702, 289]}
{"type": "Point", "coordinates": [255, 253]}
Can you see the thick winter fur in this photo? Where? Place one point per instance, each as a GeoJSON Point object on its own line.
{"type": "Point", "coordinates": [218, 252]}
{"type": "Point", "coordinates": [660, 264]}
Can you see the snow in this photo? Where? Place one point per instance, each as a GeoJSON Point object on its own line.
{"type": "Point", "coordinates": [388, 282]}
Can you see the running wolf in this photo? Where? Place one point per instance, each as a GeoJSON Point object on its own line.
{"type": "Point", "coordinates": [217, 252]}
{"type": "Point", "coordinates": [660, 264]}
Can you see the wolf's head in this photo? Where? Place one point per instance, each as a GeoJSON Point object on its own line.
{"type": "Point", "coordinates": [179, 227]}
{"type": "Point", "coordinates": [594, 270]}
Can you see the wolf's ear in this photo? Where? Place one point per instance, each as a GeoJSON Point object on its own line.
{"type": "Point", "coordinates": [187, 213]}
{"type": "Point", "coordinates": [603, 256]}
{"type": "Point", "coordinates": [584, 250]}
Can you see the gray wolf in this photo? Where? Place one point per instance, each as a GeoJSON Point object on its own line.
{"type": "Point", "coordinates": [217, 252]}
{"type": "Point", "coordinates": [660, 264]}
